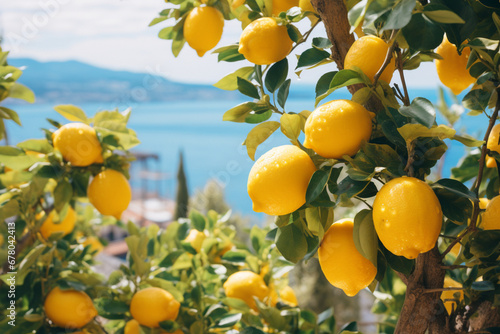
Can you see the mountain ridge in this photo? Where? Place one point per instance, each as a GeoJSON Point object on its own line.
{"type": "Point", "coordinates": [73, 81]}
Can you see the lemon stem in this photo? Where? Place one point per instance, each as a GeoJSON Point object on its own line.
{"type": "Point", "coordinates": [388, 56]}
{"type": "Point", "coordinates": [399, 64]}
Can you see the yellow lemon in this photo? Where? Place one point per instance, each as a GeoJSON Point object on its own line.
{"type": "Point", "coordinates": [195, 238]}
{"type": "Point", "coordinates": [110, 193]}
{"type": "Point", "coordinates": [448, 294]}
{"type": "Point", "coordinates": [66, 226]}
{"type": "Point", "coordinates": [288, 296]}
{"type": "Point", "coordinates": [203, 28]}
{"type": "Point", "coordinates": [77, 143]}
{"type": "Point", "coordinates": [236, 3]}
{"type": "Point", "coordinates": [245, 285]}
{"type": "Point", "coordinates": [283, 5]}
{"type": "Point", "coordinates": [493, 143]}
{"type": "Point", "coordinates": [452, 69]}
{"type": "Point", "coordinates": [407, 216]}
{"type": "Point", "coordinates": [264, 42]}
{"type": "Point", "coordinates": [278, 181]}
{"type": "Point", "coordinates": [153, 305]}
{"type": "Point", "coordinates": [307, 6]}
{"type": "Point", "coordinates": [94, 243]}
{"type": "Point", "coordinates": [368, 53]}
{"type": "Point", "coordinates": [69, 308]}
{"type": "Point", "coordinates": [338, 128]}
{"type": "Point", "coordinates": [344, 267]}
{"type": "Point", "coordinates": [132, 327]}
{"type": "Point", "coordinates": [491, 217]}
{"type": "Point", "coordinates": [483, 203]}
{"type": "Point", "coordinates": [491, 162]}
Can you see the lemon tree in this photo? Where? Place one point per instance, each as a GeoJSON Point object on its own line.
{"type": "Point", "coordinates": [381, 153]}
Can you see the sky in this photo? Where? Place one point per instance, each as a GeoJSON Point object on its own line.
{"type": "Point", "coordinates": [114, 34]}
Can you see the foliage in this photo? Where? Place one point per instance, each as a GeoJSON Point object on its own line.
{"type": "Point", "coordinates": [406, 138]}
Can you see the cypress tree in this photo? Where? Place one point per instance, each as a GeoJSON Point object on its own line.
{"type": "Point", "coordinates": [182, 195]}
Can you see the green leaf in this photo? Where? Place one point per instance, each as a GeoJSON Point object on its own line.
{"type": "Point", "coordinates": [323, 83]}
{"type": "Point", "coordinates": [258, 118]}
{"type": "Point", "coordinates": [36, 145]}
{"type": "Point", "coordinates": [443, 16]}
{"type": "Point", "coordinates": [238, 113]}
{"type": "Point", "coordinates": [247, 88]}
{"type": "Point", "coordinates": [258, 135]}
{"type": "Point", "coordinates": [63, 193]}
{"type": "Point", "coordinates": [291, 243]}
{"type": "Point", "coordinates": [72, 113]}
{"type": "Point", "coordinates": [316, 185]}
{"type": "Point", "coordinates": [27, 262]}
{"type": "Point", "coordinates": [321, 43]}
{"type": "Point", "coordinates": [229, 53]}
{"type": "Point", "coordinates": [7, 113]}
{"type": "Point", "coordinates": [283, 93]}
{"type": "Point", "coordinates": [398, 263]}
{"type": "Point", "coordinates": [312, 56]}
{"type": "Point", "coordinates": [228, 320]}
{"type": "Point", "coordinates": [341, 79]}
{"type": "Point", "coordinates": [476, 99]}
{"type": "Point", "coordinates": [237, 256]}
{"type": "Point", "coordinates": [410, 132]}
{"type": "Point", "coordinates": [421, 110]}
{"type": "Point", "coordinates": [18, 91]}
{"type": "Point", "coordinates": [483, 286]}
{"type": "Point", "coordinates": [293, 33]}
{"type": "Point", "coordinates": [165, 33]}
{"type": "Point", "coordinates": [197, 220]}
{"type": "Point", "coordinates": [455, 200]}
{"type": "Point", "coordinates": [291, 125]}
{"type": "Point", "coordinates": [420, 26]}
{"type": "Point", "coordinates": [468, 141]}
{"type": "Point", "coordinates": [230, 81]}
{"type": "Point", "coordinates": [276, 75]}
{"type": "Point", "coordinates": [365, 237]}
{"type": "Point", "coordinates": [400, 15]}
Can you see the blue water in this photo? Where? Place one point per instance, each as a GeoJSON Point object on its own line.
{"type": "Point", "coordinates": [212, 148]}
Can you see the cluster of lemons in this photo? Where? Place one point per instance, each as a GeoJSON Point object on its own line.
{"type": "Point", "coordinates": [263, 41]}
{"type": "Point", "coordinates": [109, 191]}
{"type": "Point", "coordinates": [406, 212]}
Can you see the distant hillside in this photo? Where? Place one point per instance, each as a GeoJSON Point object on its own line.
{"type": "Point", "coordinates": [76, 82]}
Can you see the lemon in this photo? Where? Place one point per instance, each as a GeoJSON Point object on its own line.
{"type": "Point", "coordinates": [283, 6]}
{"type": "Point", "coordinates": [448, 294]}
{"type": "Point", "coordinates": [195, 238]}
{"type": "Point", "coordinates": [493, 143]}
{"type": "Point", "coordinates": [368, 53]}
{"type": "Point", "coordinates": [278, 181]}
{"type": "Point", "coordinates": [246, 285]}
{"type": "Point", "coordinates": [66, 226]}
{"type": "Point", "coordinates": [452, 69]}
{"type": "Point", "coordinates": [344, 267]}
{"type": "Point", "coordinates": [77, 143]}
{"type": "Point", "coordinates": [288, 296]}
{"type": "Point", "coordinates": [69, 308]}
{"type": "Point", "coordinates": [132, 327]}
{"type": "Point", "coordinates": [264, 42]}
{"type": "Point", "coordinates": [153, 305]}
{"type": "Point", "coordinates": [407, 216]}
{"type": "Point", "coordinates": [491, 217]}
{"type": "Point", "coordinates": [307, 6]}
{"type": "Point", "coordinates": [110, 193]}
{"type": "Point", "coordinates": [483, 203]}
{"type": "Point", "coordinates": [94, 243]}
{"type": "Point", "coordinates": [203, 28]}
{"type": "Point", "coordinates": [491, 162]}
{"type": "Point", "coordinates": [338, 128]}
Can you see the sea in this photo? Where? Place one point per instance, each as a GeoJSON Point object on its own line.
{"type": "Point", "coordinates": [212, 148]}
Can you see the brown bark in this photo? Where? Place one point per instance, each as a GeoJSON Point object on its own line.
{"type": "Point", "coordinates": [424, 311]}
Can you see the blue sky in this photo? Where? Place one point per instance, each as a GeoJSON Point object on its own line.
{"type": "Point", "coordinates": [115, 34]}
